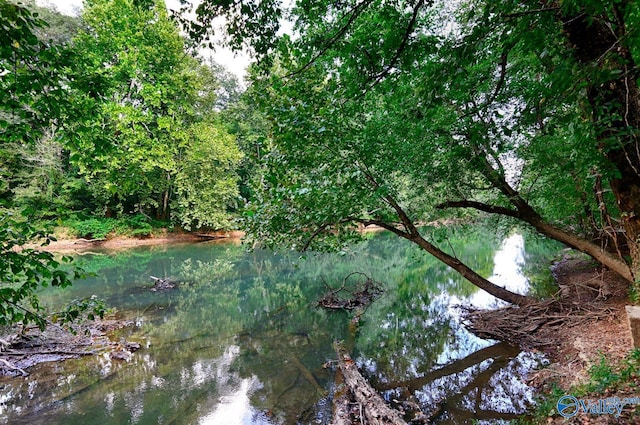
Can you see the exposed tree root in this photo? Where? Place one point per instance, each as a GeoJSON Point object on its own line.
{"type": "Point", "coordinates": [533, 326]}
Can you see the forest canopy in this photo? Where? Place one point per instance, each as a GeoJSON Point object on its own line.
{"type": "Point", "coordinates": [405, 112]}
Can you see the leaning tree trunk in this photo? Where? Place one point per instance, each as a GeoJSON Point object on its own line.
{"type": "Point", "coordinates": [599, 45]}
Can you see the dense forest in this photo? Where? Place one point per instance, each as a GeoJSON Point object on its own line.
{"type": "Point", "coordinates": [111, 123]}
{"type": "Point", "coordinates": [111, 115]}
{"type": "Point", "coordinates": [405, 115]}
{"type": "Point", "coordinates": [393, 114]}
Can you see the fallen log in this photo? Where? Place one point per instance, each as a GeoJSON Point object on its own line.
{"type": "Point", "coordinates": [373, 407]}
{"type": "Point", "coordinates": [341, 402]}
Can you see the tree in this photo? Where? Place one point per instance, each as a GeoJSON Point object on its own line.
{"type": "Point", "coordinates": [206, 182]}
{"type": "Point", "coordinates": [31, 101]}
{"type": "Point", "coordinates": [396, 113]}
{"type": "Point", "coordinates": [146, 118]}
{"type": "Point", "coordinates": [132, 95]}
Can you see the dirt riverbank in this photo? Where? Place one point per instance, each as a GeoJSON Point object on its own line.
{"type": "Point", "coordinates": [576, 349]}
{"type": "Point", "coordinates": [160, 238]}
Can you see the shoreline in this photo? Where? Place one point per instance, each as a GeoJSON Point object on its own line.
{"type": "Point", "coordinates": [574, 351]}
{"type": "Point", "coordinates": [124, 242]}
{"type": "Point", "coordinates": [164, 237]}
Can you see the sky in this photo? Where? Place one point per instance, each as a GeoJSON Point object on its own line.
{"type": "Point", "coordinates": [237, 64]}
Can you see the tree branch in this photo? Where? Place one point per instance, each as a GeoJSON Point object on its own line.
{"type": "Point", "coordinates": [492, 209]}
{"type": "Point", "coordinates": [503, 72]}
{"type": "Point", "coordinates": [354, 13]}
{"type": "Point", "coordinates": [403, 44]}
{"type": "Point", "coordinates": [531, 12]}
{"type": "Point", "coordinates": [384, 225]}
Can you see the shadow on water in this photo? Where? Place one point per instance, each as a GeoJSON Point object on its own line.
{"type": "Point", "coordinates": [241, 342]}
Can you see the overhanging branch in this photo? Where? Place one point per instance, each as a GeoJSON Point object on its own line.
{"type": "Point", "coordinates": [366, 222]}
{"type": "Point", "coordinates": [352, 16]}
{"type": "Point", "coordinates": [492, 209]}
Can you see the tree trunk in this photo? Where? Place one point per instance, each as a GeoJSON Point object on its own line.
{"type": "Point", "coordinates": [594, 251]}
{"type": "Point", "coordinates": [374, 409]}
{"type": "Point", "coordinates": [465, 271]}
{"type": "Point", "coordinates": [525, 213]}
{"type": "Point", "coordinates": [472, 276]}
{"type": "Point", "coordinates": [599, 44]}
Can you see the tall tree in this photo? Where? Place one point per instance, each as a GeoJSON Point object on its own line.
{"type": "Point", "coordinates": [32, 98]}
{"type": "Point", "coordinates": [133, 92]}
{"type": "Point", "coordinates": [147, 112]}
{"type": "Point", "coordinates": [389, 112]}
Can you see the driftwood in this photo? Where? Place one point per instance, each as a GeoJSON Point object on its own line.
{"type": "Point", "coordinates": [162, 284]}
{"type": "Point", "coordinates": [341, 402]}
{"type": "Point", "coordinates": [11, 366]}
{"type": "Point", "coordinates": [209, 237]}
{"type": "Point", "coordinates": [357, 297]}
{"type": "Point", "coordinates": [31, 346]}
{"type": "Point", "coordinates": [370, 405]}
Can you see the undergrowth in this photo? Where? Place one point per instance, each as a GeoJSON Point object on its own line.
{"type": "Point", "coordinates": [101, 227]}
{"type": "Point", "coordinates": [605, 380]}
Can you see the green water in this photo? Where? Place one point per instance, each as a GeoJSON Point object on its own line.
{"type": "Point", "coordinates": [242, 342]}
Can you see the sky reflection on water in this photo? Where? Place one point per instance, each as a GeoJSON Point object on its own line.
{"type": "Point", "coordinates": [242, 342]}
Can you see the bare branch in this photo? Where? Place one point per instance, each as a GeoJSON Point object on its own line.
{"type": "Point", "coordinates": [492, 209]}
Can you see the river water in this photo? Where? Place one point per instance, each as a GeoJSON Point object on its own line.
{"type": "Point", "coordinates": [241, 340]}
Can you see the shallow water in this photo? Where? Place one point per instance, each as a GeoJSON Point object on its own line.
{"type": "Point", "coordinates": [242, 342]}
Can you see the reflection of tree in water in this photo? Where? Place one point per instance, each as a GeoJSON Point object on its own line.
{"type": "Point", "coordinates": [264, 304]}
{"type": "Point", "coordinates": [485, 385]}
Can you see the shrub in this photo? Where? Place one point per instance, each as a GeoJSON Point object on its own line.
{"type": "Point", "coordinates": [93, 228]}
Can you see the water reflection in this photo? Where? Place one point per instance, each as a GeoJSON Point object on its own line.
{"type": "Point", "coordinates": [240, 342]}
{"type": "Point", "coordinates": [234, 406]}
{"type": "Point", "coordinates": [507, 272]}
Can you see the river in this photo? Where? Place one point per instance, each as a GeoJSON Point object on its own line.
{"type": "Point", "coordinates": [241, 340]}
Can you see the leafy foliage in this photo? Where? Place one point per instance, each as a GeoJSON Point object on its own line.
{"type": "Point", "coordinates": [24, 271]}
{"type": "Point", "coordinates": [206, 183]}
{"type": "Point", "coordinates": [401, 112]}
{"type": "Point", "coordinates": [32, 80]}
{"type": "Point", "coordinates": [147, 122]}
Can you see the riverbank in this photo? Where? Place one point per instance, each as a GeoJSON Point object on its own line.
{"type": "Point", "coordinates": [161, 237]}
{"type": "Point", "coordinates": [598, 349]}
{"type": "Point", "coordinates": [65, 245]}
